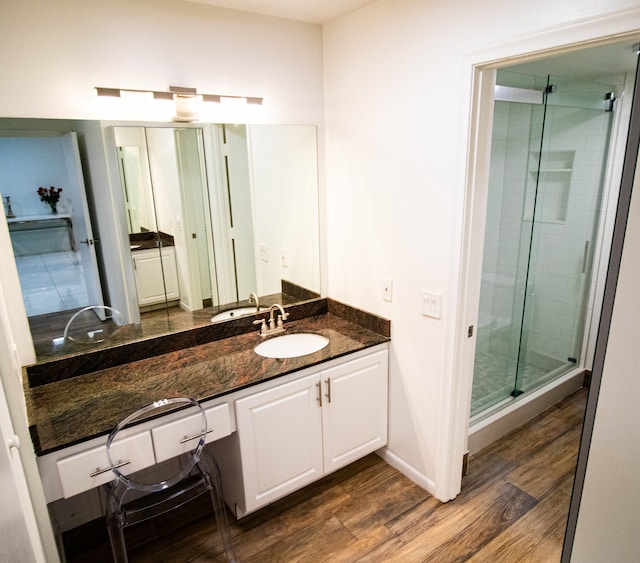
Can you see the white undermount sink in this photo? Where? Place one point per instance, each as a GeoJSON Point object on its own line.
{"type": "Point", "coordinates": [233, 313]}
{"type": "Point", "coordinates": [291, 345]}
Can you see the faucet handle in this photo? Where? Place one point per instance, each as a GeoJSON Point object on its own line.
{"type": "Point", "coordinates": [263, 325]}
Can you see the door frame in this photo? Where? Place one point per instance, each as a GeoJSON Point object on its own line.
{"type": "Point", "coordinates": [479, 68]}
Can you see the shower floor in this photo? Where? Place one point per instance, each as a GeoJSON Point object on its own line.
{"type": "Point", "coordinates": [494, 379]}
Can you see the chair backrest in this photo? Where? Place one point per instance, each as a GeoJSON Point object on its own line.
{"type": "Point", "coordinates": [86, 325]}
{"type": "Point", "coordinates": [188, 460]}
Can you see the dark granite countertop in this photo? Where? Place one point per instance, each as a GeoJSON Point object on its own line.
{"type": "Point", "coordinates": [71, 410]}
{"type": "Point", "coordinates": [149, 239]}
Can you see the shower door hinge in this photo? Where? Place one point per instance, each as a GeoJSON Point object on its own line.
{"type": "Point", "coordinates": [609, 99]}
{"type": "Point", "coordinates": [470, 331]}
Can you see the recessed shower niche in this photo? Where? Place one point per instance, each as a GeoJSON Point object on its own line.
{"type": "Point", "coordinates": [548, 185]}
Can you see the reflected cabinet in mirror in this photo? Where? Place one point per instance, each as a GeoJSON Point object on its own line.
{"type": "Point", "coordinates": [171, 226]}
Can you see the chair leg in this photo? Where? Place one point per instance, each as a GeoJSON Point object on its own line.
{"type": "Point", "coordinates": [116, 538]}
{"type": "Point", "coordinates": [115, 524]}
{"type": "Point", "coordinates": [219, 509]}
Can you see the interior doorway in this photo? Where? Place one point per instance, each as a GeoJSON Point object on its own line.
{"type": "Point", "coordinates": [546, 227]}
{"type": "Point", "coordinates": [54, 248]}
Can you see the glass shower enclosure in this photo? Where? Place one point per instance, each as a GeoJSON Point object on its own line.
{"type": "Point", "coordinates": [548, 159]}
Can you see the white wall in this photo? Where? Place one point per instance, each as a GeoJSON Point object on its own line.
{"type": "Point", "coordinates": [397, 102]}
{"type": "Point", "coordinates": [55, 53]}
{"type": "Point", "coordinates": [30, 163]}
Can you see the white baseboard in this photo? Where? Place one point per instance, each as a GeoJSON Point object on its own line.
{"type": "Point", "coordinates": [407, 470]}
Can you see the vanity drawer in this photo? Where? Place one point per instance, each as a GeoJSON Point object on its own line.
{"type": "Point", "coordinates": [91, 468]}
{"type": "Point", "coordinates": [180, 436]}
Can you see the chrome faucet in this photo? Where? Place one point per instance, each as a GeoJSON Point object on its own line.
{"type": "Point", "coordinates": [253, 298]}
{"type": "Point", "coordinates": [276, 325]}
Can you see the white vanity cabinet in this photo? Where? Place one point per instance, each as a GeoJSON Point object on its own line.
{"type": "Point", "coordinates": [154, 277]}
{"type": "Point", "coordinates": [292, 434]}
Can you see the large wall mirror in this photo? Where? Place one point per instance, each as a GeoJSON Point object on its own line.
{"type": "Point", "coordinates": [176, 223]}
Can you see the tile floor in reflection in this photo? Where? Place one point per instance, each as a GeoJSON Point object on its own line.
{"type": "Point", "coordinates": [52, 282]}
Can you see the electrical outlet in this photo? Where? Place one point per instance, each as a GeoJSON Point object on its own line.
{"type": "Point", "coordinates": [387, 289]}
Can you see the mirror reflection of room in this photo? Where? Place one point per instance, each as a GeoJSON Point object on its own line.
{"type": "Point", "coordinates": [51, 237]}
{"type": "Point", "coordinates": [211, 216]}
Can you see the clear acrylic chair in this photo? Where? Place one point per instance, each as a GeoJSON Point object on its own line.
{"type": "Point", "coordinates": [196, 473]}
{"type": "Point", "coordinates": [93, 324]}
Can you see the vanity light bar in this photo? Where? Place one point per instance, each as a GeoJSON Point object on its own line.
{"type": "Point", "coordinates": [182, 91]}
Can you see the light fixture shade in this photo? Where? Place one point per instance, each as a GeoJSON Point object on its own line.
{"type": "Point", "coordinates": [186, 108]}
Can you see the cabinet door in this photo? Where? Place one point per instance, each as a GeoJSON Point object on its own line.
{"type": "Point", "coordinates": [170, 270]}
{"type": "Point", "coordinates": [280, 432]}
{"type": "Point", "coordinates": [152, 277]}
{"type": "Point", "coordinates": [355, 409]}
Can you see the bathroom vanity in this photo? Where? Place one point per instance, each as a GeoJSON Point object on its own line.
{"type": "Point", "coordinates": [296, 430]}
{"type": "Point", "coordinates": [276, 424]}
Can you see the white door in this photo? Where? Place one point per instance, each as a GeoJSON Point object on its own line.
{"type": "Point", "coordinates": [242, 210]}
{"type": "Point", "coordinates": [82, 231]}
{"type": "Point", "coordinates": [15, 521]}
{"type": "Point", "coordinates": [280, 440]}
{"type": "Point", "coordinates": [19, 535]}
{"type": "Point", "coordinates": [195, 205]}
{"type": "Point", "coordinates": [354, 419]}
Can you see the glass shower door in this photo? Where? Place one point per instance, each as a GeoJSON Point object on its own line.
{"type": "Point", "coordinates": [562, 204]}
{"type": "Point", "coordinates": [548, 159]}
{"type": "Point", "coordinates": [516, 127]}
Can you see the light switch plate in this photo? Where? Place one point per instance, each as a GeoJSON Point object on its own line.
{"type": "Point", "coordinates": [431, 304]}
{"type": "Point", "coordinates": [264, 253]}
{"type": "Point", "coordinates": [387, 289]}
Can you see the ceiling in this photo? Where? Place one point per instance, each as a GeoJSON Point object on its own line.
{"type": "Point", "coordinates": [310, 11]}
{"type": "Point", "coordinates": [591, 62]}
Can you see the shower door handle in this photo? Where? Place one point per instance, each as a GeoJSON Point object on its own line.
{"type": "Point", "coordinates": [585, 257]}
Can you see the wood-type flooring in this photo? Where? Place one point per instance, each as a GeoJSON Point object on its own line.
{"type": "Point", "coordinates": [512, 508]}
